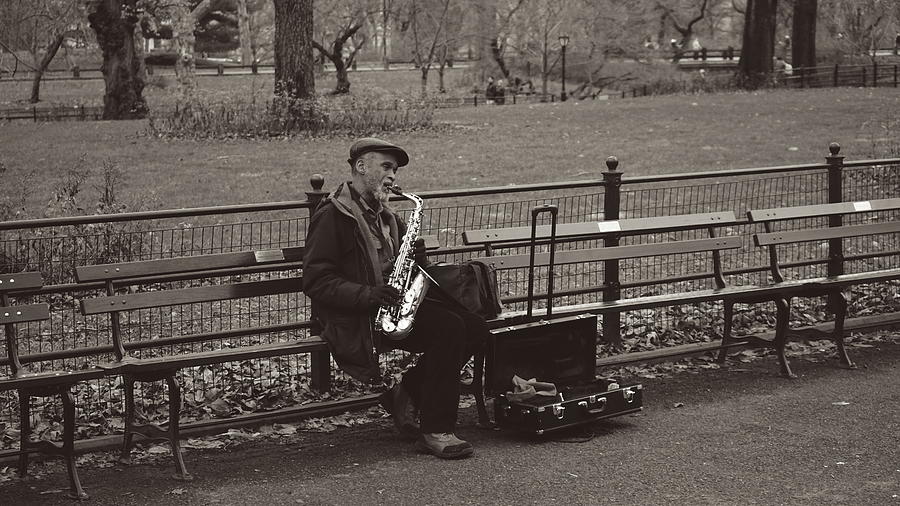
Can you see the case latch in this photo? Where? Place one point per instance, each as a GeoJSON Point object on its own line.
{"type": "Point", "coordinates": [559, 411]}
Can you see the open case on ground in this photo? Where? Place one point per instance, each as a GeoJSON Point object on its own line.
{"type": "Point", "coordinates": [561, 351]}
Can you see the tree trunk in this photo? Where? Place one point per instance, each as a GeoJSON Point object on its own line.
{"type": "Point", "coordinates": [340, 73]}
{"type": "Point", "coordinates": [245, 32]}
{"type": "Point", "coordinates": [52, 49]}
{"type": "Point", "coordinates": [294, 76]}
{"type": "Point", "coordinates": [424, 69]}
{"type": "Point", "coordinates": [497, 53]}
{"type": "Point", "coordinates": [758, 47]}
{"type": "Point", "coordinates": [183, 43]}
{"type": "Point", "coordinates": [122, 64]}
{"type": "Point", "coordinates": [803, 33]}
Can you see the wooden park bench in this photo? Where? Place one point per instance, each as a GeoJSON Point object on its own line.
{"type": "Point", "coordinates": [794, 231]}
{"type": "Point", "coordinates": [46, 383]}
{"type": "Point", "coordinates": [161, 364]}
{"type": "Point", "coordinates": [503, 238]}
{"type": "Point", "coordinates": [158, 363]}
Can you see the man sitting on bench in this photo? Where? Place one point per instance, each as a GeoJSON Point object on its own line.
{"type": "Point", "coordinates": [351, 245]}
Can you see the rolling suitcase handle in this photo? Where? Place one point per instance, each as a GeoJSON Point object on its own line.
{"type": "Point", "coordinates": [535, 212]}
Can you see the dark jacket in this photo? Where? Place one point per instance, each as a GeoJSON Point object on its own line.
{"type": "Point", "coordinates": [340, 267]}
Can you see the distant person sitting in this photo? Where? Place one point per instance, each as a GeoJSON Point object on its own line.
{"type": "Point", "coordinates": [491, 91]}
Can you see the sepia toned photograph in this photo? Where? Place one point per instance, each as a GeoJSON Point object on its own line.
{"type": "Point", "coordinates": [449, 252]}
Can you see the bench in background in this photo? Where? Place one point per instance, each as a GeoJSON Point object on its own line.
{"type": "Point", "coordinates": [37, 384]}
{"type": "Point", "coordinates": [795, 230]}
{"type": "Point", "coordinates": [164, 366]}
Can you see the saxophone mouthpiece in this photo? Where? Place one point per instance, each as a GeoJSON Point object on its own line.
{"type": "Point", "coordinates": [396, 190]}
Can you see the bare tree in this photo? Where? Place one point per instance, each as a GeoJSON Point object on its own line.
{"type": "Point", "coordinates": [294, 76]}
{"type": "Point", "coordinates": [246, 32]}
{"type": "Point", "coordinates": [803, 33]}
{"type": "Point", "coordinates": [341, 22]}
{"type": "Point", "coordinates": [758, 47]}
{"type": "Point", "coordinates": [39, 27]}
{"type": "Point", "coordinates": [861, 26]}
{"type": "Point", "coordinates": [115, 24]}
{"type": "Point", "coordinates": [675, 11]}
{"type": "Point", "coordinates": [430, 21]}
{"type": "Point", "coordinates": [536, 34]}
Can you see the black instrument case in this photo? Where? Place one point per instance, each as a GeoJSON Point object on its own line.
{"type": "Point", "coordinates": [555, 350]}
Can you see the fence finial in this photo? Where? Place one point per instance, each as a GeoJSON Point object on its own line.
{"type": "Point", "coordinates": [834, 148]}
{"type": "Point", "coordinates": [612, 163]}
{"type": "Point", "coordinates": [317, 181]}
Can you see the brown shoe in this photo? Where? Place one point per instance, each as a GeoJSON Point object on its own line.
{"type": "Point", "coordinates": [399, 405]}
{"type": "Point", "coordinates": [444, 445]}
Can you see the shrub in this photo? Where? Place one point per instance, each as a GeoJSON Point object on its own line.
{"type": "Point", "coordinates": [206, 115]}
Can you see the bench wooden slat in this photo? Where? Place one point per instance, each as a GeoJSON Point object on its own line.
{"type": "Point", "coordinates": [196, 263]}
{"type": "Point", "coordinates": [174, 362]}
{"type": "Point", "coordinates": [27, 313]}
{"type": "Point", "coordinates": [128, 302]}
{"type": "Point", "coordinates": [501, 262]}
{"type": "Point", "coordinates": [18, 281]}
{"type": "Point", "coordinates": [598, 228]}
{"type": "Point", "coordinates": [817, 234]}
{"type": "Point", "coordinates": [50, 378]}
{"type": "Point", "coordinates": [818, 210]}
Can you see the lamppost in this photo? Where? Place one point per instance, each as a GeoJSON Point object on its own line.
{"type": "Point", "coordinates": [563, 42]}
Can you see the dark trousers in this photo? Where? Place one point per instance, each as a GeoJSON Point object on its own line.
{"type": "Point", "coordinates": [447, 336]}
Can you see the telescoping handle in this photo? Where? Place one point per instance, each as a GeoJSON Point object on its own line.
{"type": "Point", "coordinates": [535, 212]}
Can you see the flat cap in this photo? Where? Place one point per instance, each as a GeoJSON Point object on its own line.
{"type": "Point", "coordinates": [366, 144]}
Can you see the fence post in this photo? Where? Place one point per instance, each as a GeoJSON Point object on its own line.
{"type": "Point", "coordinates": [612, 197]}
{"type": "Point", "coordinates": [319, 361]}
{"type": "Point", "coordinates": [254, 67]}
{"type": "Point", "coordinates": [645, 90]}
{"type": "Point", "coordinates": [863, 76]}
{"type": "Point", "coordinates": [835, 194]}
{"type": "Point", "coordinates": [76, 72]}
{"type": "Point", "coordinates": [895, 76]}
{"type": "Point", "coordinates": [220, 69]}
{"type": "Point", "coordinates": [149, 70]}
{"type": "Point", "coordinates": [475, 100]}
{"type": "Point", "coordinates": [34, 112]}
{"type": "Point", "coordinates": [875, 74]}
{"type": "Point", "coordinates": [835, 76]}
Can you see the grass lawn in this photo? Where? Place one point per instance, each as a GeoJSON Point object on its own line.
{"type": "Point", "coordinates": [471, 147]}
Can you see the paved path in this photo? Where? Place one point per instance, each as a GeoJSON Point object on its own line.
{"type": "Point", "coordinates": [737, 436]}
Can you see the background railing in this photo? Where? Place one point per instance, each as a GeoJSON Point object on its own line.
{"type": "Point", "coordinates": [262, 388]}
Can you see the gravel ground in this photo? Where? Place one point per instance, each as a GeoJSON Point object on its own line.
{"type": "Point", "coordinates": [738, 435]}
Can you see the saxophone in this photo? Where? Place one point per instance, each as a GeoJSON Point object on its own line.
{"type": "Point", "coordinates": [409, 278]}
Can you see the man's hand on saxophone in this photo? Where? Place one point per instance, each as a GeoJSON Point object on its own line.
{"type": "Point", "coordinates": [384, 295]}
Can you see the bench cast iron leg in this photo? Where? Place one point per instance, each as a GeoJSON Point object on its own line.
{"type": "Point", "coordinates": [174, 416]}
{"type": "Point", "coordinates": [25, 431]}
{"type": "Point", "coordinates": [68, 449]}
{"type": "Point", "coordinates": [782, 324]}
{"type": "Point", "coordinates": [726, 331]}
{"type": "Point", "coordinates": [125, 456]}
{"type": "Point", "coordinates": [484, 421]}
{"type": "Point", "coordinates": [840, 314]}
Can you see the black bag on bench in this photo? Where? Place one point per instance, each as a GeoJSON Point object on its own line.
{"type": "Point", "coordinates": [561, 351]}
